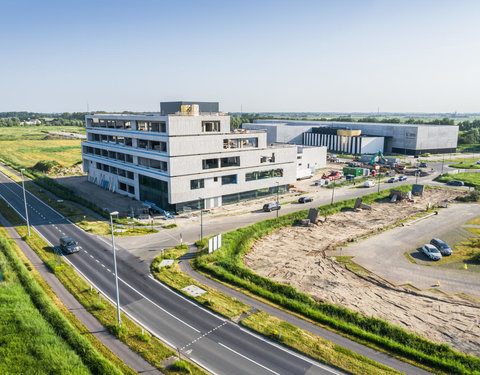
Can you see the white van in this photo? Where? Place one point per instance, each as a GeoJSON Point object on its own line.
{"type": "Point", "coordinates": [369, 184]}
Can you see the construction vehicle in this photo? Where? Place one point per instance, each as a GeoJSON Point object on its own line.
{"type": "Point", "coordinates": [153, 207]}
{"type": "Point", "coordinates": [332, 176]}
{"type": "Point", "coordinates": [381, 159]}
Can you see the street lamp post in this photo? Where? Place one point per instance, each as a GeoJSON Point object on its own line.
{"type": "Point", "coordinates": [115, 266]}
{"type": "Point", "coordinates": [201, 220]}
{"type": "Point", "coordinates": [333, 190]}
{"type": "Point", "coordinates": [443, 161]}
{"type": "Point", "coordinates": [278, 187]}
{"type": "Point", "coordinates": [416, 177]}
{"type": "Point", "coordinates": [25, 200]}
{"type": "Point", "coordinates": [379, 182]}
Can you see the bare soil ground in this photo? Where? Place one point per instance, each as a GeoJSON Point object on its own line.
{"type": "Point", "coordinates": [296, 256]}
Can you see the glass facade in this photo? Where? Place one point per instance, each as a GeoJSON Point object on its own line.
{"type": "Point", "coordinates": [155, 191]}
{"type": "Point", "coordinates": [253, 194]}
{"type": "Point", "coordinates": [260, 175]}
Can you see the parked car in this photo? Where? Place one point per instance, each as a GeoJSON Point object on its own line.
{"type": "Point", "coordinates": [68, 245]}
{"type": "Point", "coordinates": [455, 183]}
{"type": "Point", "coordinates": [393, 179]}
{"type": "Point", "coordinates": [305, 199]}
{"type": "Point", "coordinates": [369, 184]}
{"type": "Point", "coordinates": [441, 246]}
{"type": "Point", "coordinates": [431, 252]}
{"type": "Point", "coordinates": [423, 164]}
{"type": "Point", "coordinates": [478, 162]}
{"type": "Point", "coordinates": [271, 206]}
{"type": "Point", "coordinates": [402, 178]}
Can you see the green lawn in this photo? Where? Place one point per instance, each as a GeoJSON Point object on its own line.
{"type": "Point", "coordinates": [469, 178]}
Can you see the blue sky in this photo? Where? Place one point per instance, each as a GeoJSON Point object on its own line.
{"type": "Point", "coordinates": [407, 56]}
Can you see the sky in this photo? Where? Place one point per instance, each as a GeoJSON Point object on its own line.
{"type": "Point", "coordinates": [251, 56]}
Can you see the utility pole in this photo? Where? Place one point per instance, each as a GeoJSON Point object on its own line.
{"type": "Point", "coordinates": [115, 266]}
{"type": "Point", "coordinates": [25, 201]}
{"type": "Point", "coordinates": [278, 187]}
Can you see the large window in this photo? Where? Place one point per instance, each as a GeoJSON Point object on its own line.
{"type": "Point", "coordinates": [230, 162]}
{"type": "Point", "coordinates": [155, 191]}
{"type": "Point", "coordinates": [260, 175]}
{"type": "Point", "coordinates": [210, 126]}
{"type": "Point", "coordinates": [197, 184]}
{"type": "Point", "coordinates": [230, 179]}
{"type": "Point", "coordinates": [210, 163]}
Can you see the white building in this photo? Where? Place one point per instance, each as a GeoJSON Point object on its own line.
{"type": "Point", "coordinates": [361, 137]}
{"type": "Point", "coordinates": [184, 158]}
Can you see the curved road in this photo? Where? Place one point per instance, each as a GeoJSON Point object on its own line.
{"type": "Point", "coordinates": [216, 344]}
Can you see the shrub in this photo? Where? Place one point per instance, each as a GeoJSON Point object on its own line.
{"type": "Point", "coordinates": [180, 366]}
{"type": "Point", "coordinates": [46, 166]}
{"type": "Point", "coordinates": [169, 226]}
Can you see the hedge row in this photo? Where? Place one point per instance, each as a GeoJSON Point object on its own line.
{"type": "Point", "coordinates": [226, 264]}
{"type": "Point", "coordinates": [90, 357]}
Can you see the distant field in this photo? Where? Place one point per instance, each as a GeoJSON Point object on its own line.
{"type": "Point", "coordinates": [28, 344]}
{"type": "Point", "coordinates": [28, 145]}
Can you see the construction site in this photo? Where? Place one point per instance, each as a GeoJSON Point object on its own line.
{"type": "Point", "coordinates": [299, 256]}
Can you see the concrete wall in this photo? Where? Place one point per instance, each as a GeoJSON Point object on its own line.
{"type": "Point", "coordinates": [312, 157]}
{"type": "Point", "coordinates": [371, 145]}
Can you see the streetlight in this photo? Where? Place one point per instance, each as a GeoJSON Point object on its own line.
{"type": "Point", "coordinates": [333, 190]}
{"type": "Point", "coordinates": [416, 176]}
{"type": "Point", "coordinates": [379, 182]}
{"type": "Point", "coordinates": [278, 187]}
{"type": "Point", "coordinates": [201, 219]}
{"type": "Point", "coordinates": [25, 200]}
{"type": "Point", "coordinates": [443, 161]}
{"type": "Point", "coordinates": [115, 266]}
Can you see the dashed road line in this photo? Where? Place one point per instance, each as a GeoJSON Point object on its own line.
{"type": "Point", "coordinates": [205, 334]}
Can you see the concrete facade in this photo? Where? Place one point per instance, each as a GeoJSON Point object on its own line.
{"type": "Point", "coordinates": [412, 139]}
{"type": "Point", "coordinates": [179, 160]}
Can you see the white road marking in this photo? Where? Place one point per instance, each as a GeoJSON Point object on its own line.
{"type": "Point", "coordinates": [103, 265]}
{"type": "Point", "coordinates": [251, 360]}
{"type": "Point", "coordinates": [161, 308]}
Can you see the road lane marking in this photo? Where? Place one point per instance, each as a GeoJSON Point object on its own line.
{"type": "Point", "coordinates": [205, 334]}
{"type": "Point", "coordinates": [161, 308]}
{"type": "Point", "coordinates": [251, 360]}
{"type": "Point", "coordinates": [186, 299]}
{"type": "Point", "coordinates": [103, 265]}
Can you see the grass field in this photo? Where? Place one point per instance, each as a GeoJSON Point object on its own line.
{"type": "Point", "coordinates": [29, 145]}
{"type": "Point", "coordinates": [28, 343]}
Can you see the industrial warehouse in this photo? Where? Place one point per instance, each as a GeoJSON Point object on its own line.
{"type": "Point", "coordinates": [362, 137]}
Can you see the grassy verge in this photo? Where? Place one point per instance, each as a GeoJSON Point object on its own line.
{"type": "Point", "coordinates": [77, 215]}
{"type": "Point", "coordinates": [469, 178]}
{"type": "Point", "coordinates": [291, 336]}
{"type": "Point", "coordinates": [467, 165]}
{"type": "Point", "coordinates": [352, 266]}
{"type": "Point", "coordinates": [96, 343]}
{"type": "Point", "coordinates": [226, 264]}
{"type": "Point", "coordinates": [175, 278]}
{"type": "Point", "coordinates": [147, 346]}
{"type": "Point", "coordinates": [28, 331]}
{"type": "Point", "coordinates": [313, 346]}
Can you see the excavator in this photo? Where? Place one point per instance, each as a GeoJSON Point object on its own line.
{"type": "Point", "coordinates": [382, 158]}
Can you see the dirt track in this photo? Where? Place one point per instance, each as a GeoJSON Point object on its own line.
{"type": "Point", "coordinates": [295, 256]}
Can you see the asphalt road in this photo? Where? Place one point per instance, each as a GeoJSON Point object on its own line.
{"type": "Point", "coordinates": [216, 344]}
{"type": "Point", "coordinates": [189, 229]}
{"type": "Point", "coordinates": [383, 254]}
